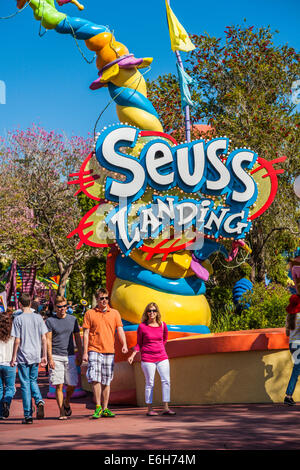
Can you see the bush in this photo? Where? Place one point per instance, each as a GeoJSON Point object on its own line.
{"type": "Point", "coordinates": [267, 310]}
{"type": "Point", "coordinates": [220, 298]}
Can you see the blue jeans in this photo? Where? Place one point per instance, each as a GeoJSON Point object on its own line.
{"type": "Point", "coordinates": [28, 375]}
{"type": "Point", "coordinates": [7, 385]}
{"type": "Point", "coordinates": [295, 351]}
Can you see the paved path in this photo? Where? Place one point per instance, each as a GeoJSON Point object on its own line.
{"type": "Point", "coordinates": [211, 427]}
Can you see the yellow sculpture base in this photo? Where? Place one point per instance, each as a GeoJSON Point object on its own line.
{"type": "Point", "coordinates": [139, 118]}
{"type": "Point", "coordinates": [130, 300]}
{"type": "Point", "coordinates": [166, 268]}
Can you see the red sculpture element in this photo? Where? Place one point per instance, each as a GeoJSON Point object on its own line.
{"type": "Point", "coordinates": [166, 251]}
{"type": "Point", "coordinates": [272, 174]}
{"type": "Point", "coordinates": [86, 179]}
{"type": "Point", "coordinates": [83, 225]}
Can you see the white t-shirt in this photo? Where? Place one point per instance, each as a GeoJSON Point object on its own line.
{"type": "Point", "coordinates": [29, 327]}
{"type": "Point", "coordinates": [6, 350]}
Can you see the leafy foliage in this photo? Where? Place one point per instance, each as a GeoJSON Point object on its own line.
{"type": "Point", "coordinates": [242, 88]}
{"type": "Point", "coordinates": [267, 310]}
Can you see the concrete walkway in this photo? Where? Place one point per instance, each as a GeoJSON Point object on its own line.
{"type": "Point", "coordinates": [211, 427]}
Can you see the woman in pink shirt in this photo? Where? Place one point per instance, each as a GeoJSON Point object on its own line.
{"type": "Point", "coordinates": [152, 335]}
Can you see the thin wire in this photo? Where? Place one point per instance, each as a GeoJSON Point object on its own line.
{"type": "Point", "coordinates": [40, 33]}
{"type": "Point", "coordinates": [237, 265]}
{"type": "Point", "coordinates": [113, 99]}
{"type": "Point", "coordinates": [77, 44]}
{"type": "Point", "coordinates": [112, 45]}
{"type": "Point", "coordinates": [16, 13]}
{"type": "Point", "coordinates": [215, 258]}
{"type": "Point", "coordinates": [87, 60]}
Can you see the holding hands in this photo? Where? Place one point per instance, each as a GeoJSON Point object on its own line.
{"type": "Point", "coordinates": [13, 362]}
{"type": "Point", "coordinates": [44, 361]}
{"type": "Point", "coordinates": [131, 357]}
{"type": "Point", "coordinates": [85, 357]}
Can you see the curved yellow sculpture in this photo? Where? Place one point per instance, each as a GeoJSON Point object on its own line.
{"type": "Point", "coordinates": [130, 299]}
{"type": "Point", "coordinates": [118, 70]}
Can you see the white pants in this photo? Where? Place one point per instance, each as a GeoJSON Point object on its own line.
{"type": "Point", "coordinates": [163, 368]}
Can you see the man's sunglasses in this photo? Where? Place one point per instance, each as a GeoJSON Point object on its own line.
{"type": "Point", "coordinates": [61, 306]}
{"type": "Point", "coordinates": [103, 298]}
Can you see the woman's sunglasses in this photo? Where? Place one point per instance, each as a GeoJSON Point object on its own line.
{"type": "Point", "coordinates": [152, 310]}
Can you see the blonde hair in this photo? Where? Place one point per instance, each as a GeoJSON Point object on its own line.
{"type": "Point", "coordinates": [145, 314]}
{"type": "Point", "coordinates": [60, 299]}
{"type": "Point", "coordinates": [101, 291]}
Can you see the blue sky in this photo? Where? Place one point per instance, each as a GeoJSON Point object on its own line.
{"type": "Point", "coordinates": [47, 81]}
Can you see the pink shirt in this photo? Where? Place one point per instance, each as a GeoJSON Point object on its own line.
{"type": "Point", "coordinates": [151, 342]}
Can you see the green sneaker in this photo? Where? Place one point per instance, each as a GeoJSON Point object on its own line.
{"type": "Point", "coordinates": [108, 414]}
{"type": "Point", "coordinates": [98, 412]}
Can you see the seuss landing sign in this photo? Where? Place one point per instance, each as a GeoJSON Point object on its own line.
{"type": "Point", "coordinates": [154, 192]}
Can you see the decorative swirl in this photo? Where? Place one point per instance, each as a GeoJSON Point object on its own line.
{"type": "Point", "coordinates": [127, 269]}
{"type": "Point", "coordinates": [81, 28]}
{"type": "Point", "coordinates": [117, 68]}
{"type": "Point", "coordinates": [181, 296]}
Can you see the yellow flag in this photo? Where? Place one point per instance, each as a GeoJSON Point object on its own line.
{"type": "Point", "coordinates": [180, 40]}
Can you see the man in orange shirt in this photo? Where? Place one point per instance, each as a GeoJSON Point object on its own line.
{"type": "Point", "coordinates": [99, 326]}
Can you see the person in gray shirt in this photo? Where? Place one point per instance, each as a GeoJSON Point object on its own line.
{"type": "Point", "coordinates": [29, 331]}
{"type": "Point", "coordinates": [62, 328]}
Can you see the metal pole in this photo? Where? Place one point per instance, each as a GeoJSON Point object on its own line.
{"type": "Point", "coordinates": [187, 118]}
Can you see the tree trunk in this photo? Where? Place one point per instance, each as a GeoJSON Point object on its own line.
{"type": "Point", "coordinates": [258, 268]}
{"type": "Point", "coordinates": [83, 287]}
{"type": "Point", "coordinates": [94, 301]}
{"type": "Point", "coordinates": [257, 261]}
{"type": "Point", "coordinates": [64, 276]}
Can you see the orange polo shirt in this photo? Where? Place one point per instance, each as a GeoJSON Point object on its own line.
{"type": "Point", "coordinates": [102, 326]}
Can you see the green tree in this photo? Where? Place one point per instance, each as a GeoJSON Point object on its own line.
{"type": "Point", "coordinates": [38, 209]}
{"type": "Point", "coordinates": [265, 308]}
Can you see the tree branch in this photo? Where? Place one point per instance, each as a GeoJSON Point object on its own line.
{"type": "Point", "coordinates": [276, 229]}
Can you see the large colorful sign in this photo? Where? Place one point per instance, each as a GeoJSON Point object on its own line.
{"type": "Point", "coordinates": [167, 207]}
{"type": "Point", "coordinates": [198, 168]}
{"type": "Point", "coordinates": [152, 188]}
